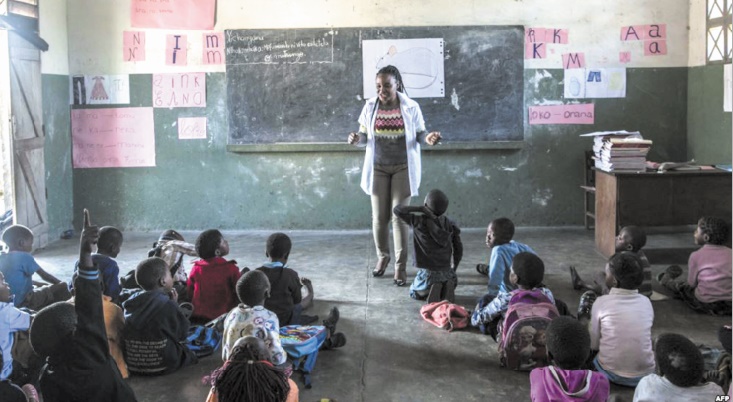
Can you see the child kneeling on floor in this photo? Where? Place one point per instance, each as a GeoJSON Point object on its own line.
{"type": "Point", "coordinates": [680, 368]}
{"type": "Point", "coordinates": [438, 248]}
{"type": "Point", "coordinates": [568, 348]}
{"type": "Point", "coordinates": [249, 375]}
{"type": "Point", "coordinates": [708, 287]}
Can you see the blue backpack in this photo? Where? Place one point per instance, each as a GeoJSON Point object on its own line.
{"type": "Point", "coordinates": [202, 341]}
{"type": "Point", "coordinates": [302, 343]}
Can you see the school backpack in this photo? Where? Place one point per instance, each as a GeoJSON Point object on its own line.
{"type": "Point", "coordinates": [202, 341]}
{"type": "Point", "coordinates": [446, 315]}
{"type": "Point", "coordinates": [301, 343]}
{"type": "Point", "coordinates": [522, 345]}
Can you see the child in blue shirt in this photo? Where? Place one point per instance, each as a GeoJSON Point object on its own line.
{"type": "Point", "coordinates": [18, 267]}
{"type": "Point", "coordinates": [499, 236]}
{"type": "Point", "coordinates": [108, 247]}
{"type": "Point", "coordinates": [12, 320]}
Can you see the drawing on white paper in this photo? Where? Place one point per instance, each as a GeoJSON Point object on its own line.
{"type": "Point", "coordinates": [574, 83]}
{"type": "Point", "coordinates": [420, 62]}
{"type": "Point", "coordinates": [595, 83]}
{"type": "Point", "coordinates": [100, 89]}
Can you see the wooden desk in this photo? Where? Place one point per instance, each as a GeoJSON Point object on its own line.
{"type": "Point", "coordinates": [657, 199]}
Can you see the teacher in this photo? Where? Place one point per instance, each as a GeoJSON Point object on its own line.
{"type": "Point", "coordinates": [391, 127]}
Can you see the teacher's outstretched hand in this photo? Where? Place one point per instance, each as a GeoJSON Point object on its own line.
{"type": "Point", "coordinates": [391, 127]}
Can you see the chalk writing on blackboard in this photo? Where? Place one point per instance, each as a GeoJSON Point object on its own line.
{"type": "Point", "coordinates": [252, 49]}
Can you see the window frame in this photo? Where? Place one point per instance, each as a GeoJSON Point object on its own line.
{"type": "Point", "coordinates": [725, 23]}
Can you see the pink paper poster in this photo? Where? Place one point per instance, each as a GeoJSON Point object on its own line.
{"type": "Point", "coordinates": [535, 35]}
{"type": "Point", "coordinates": [173, 14]}
{"type": "Point", "coordinates": [179, 90]}
{"type": "Point", "coordinates": [573, 60]}
{"type": "Point", "coordinates": [634, 32]}
{"type": "Point", "coordinates": [655, 48]}
{"type": "Point", "coordinates": [133, 46]}
{"type": "Point", "coordinates": [562, 114]}
{"type": "Point", "coordinates": [624, 57]}
{"type": "Point", "coordinates": [535, 50]}
{"type": "Point", "coordinates": [213, 48]}
{"type": "Point", "coordinates": [176, 51]}
{"type": "Point", "coordinates": [656, 31]}
{"type": "Point", "coordinates": [120, 137]}
{"type": "Point", "coordinates": [553, 35]}
{"type": "Point", "coordinates": [190, 128]}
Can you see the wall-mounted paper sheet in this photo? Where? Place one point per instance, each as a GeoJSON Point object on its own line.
{"type": "Point", "coordinates": [213, 49]}
{"type": "Point", "coordinates": [133, 45]}
{"type": "Point", "coordinates": [535, 50]}
{"type": "Point", "coordinates": [99, 89]}
{"type": "Point", "coordinates": [420, 62]}
{"type": "Point", "coordinates": [573, 60]}
{"type": "Point", "coordinates": [179, 90]}
{"type": "Point", "coordinates": [190, 128]}
{"type": "Point", "coordinates": [727, 88]}
{"type": "Point", "coordinates": [574, 83]}
{"type": "Point", "coordinates": [120, 137]}
{"type": "Point", "coordinates": [173, 14]}
{"type": "Point", "coordinates": [176, 50]}
{"type": "Point", "coordinates": [562, 114]}
{"type": "Point", "coordinates": [595, 83]}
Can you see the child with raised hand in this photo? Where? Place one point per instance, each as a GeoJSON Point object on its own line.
{"type": "Point", "coordinates": [630, 238]}
{"type": "Point", "coordinates": [72, 339]}
{"type": "Point", "coordinates": [438, 248]}
{"type": "Point", "coordinates": [108, 247]}
{"type": "Point", "coordinates": [526, 272]}
{"type": "Point", "coordinates": [251, 318]}
{"type": "Point", "coordinates": [286, 298]}
{"type": "Point", "coordinates": [18, 266]}
{"type": "Point", "coordinates": [568, 348]}
{"type": "Point", "coordinates": [621, 322]}
{"type": "Point", "coordinates": [679, 375]}
{"type": "Point", "coordinates": [248, 375]}
{"type": "Point", "coordinates": [499, 236]}
{"type": "Point", "coordinates": [212, 280]}
{"type": "Point", "coordinates": [708, 287]}
{"type": "Point", "coordinates": [155, 328]}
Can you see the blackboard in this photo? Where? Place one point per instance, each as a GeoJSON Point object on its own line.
{"type": "Point", "coordinates": [305, 85]}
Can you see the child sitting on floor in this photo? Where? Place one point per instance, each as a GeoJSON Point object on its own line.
{"type": "Point", "coordinates": [18, 266]}
{"type": "Point", "coordinates": [525, 273]}
{"type": "Point", "coordinates": [568, 348]}
{"type": "Point", "coordinates": [286, 299]}
{"type": "Point", "coordinates": [171, 247]}
{"type": "Point", "coordinates": [13, 320]}
{"type": "Point", "coordinates": [630, 238]}
{"type": "Point", "coordinates": [108, 247]}
{"type": "Point", "coordinates": [708, 287]}
{"type": "Point", "coordinates": [72, 338]}
{"type": "Point", "coordinates": [155, 328]}
{"type": "Point", "coordinates": [438, 248]}
{"type": "Point", "coordinates": [620, 322]}
{"type": "Point", "coordinates": [249, 376]}
{"type": "Point", "coordinates": [212, 281]}
{"type": "Point", "coordinates": [680, 374]}
{"type": "Point", "coordinates": [499, 236]}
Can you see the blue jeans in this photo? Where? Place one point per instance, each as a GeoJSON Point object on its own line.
{"type": "Point", "coordinates": [615, 378]}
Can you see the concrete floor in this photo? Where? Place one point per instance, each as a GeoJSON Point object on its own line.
{"type": "Point", "coordinates": [391, 353]}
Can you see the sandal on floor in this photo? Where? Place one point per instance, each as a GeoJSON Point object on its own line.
{"type": "Point", "coordinates": [382, 263]}
{"type": "Point", "coordinates": [482, 269]}
{"type": "Point", "coordinates": [401, 279]}
{"type": "Point", "coordinates": [575, 278]}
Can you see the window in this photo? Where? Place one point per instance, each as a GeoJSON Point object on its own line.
{"type": "Point", "coordinates": [719, 31]}
{"type": "Point", "coordinates": [26, 8]}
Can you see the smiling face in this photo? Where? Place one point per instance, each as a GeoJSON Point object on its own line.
{"type": "Point", "coordinates": [387, 89]}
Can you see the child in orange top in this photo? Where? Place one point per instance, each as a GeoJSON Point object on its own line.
{"type": "Point", "coordinates": [213, 280]}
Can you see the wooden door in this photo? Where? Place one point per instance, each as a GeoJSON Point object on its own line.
{"type": "Point", "coordinates": [28, 139]}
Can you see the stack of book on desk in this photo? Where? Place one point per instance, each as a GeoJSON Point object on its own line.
{"type": "Point", "coordinates": [619, 151]}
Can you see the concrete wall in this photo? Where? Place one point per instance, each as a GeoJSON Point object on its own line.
{"type": "Point", "coordinates": [199, 184]}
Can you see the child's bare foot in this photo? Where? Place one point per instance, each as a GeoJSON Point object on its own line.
{"type": "Point", "coordinates": [578, 283]}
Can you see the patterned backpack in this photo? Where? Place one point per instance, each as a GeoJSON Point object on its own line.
{"type": "Point", "coordinates": [301, 343]}
{"type": "Point", "coordinates": [522, 345]}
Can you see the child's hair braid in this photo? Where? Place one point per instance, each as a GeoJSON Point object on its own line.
{"type": "Point", "coordinates": [249, 376]}
{"type": "Point", "coordinates": [393, 71]}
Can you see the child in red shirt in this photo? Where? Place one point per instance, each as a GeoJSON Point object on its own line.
{"type": "Point", "coordinates": [212, 281]}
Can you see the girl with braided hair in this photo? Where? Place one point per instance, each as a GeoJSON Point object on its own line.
{"type": "Point", "coordinates": [249, 376]}
{"type": "Point", "coordinates": [391, 127]}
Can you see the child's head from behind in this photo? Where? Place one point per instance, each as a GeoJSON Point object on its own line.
{"type": "Point", "coordinates": [253, 288]}
{"type": "Point", "coordinates": [278, 247]}
{"type": "Point", "coordinates": [500, 231]}
{"type": "Point", "coordinates": [568, 343]}
{"type": "Point", "coordinates": [18, 238]}
{"type": "Point", "coordinates": [678, 360]}
{"type": "Point", "coordinates": [249, 376]}
{"type": "Point", "coordinates": [630, 238]}
{"type": "Point", "coordinates": [528, 270]}
{"type": "Point", "coordinates": [437, 202]}
{"type": "Point", "coordinates": [110, 241]}
{"type": "Point", "coordinates": [153, 273]}
{"type": "Point", "coordinates": [712, 230]}
{"type": "Point", "coordinates": [169, 235]}
{"type": "Point", "coordinates": [624, 270]}
{"type": "Point", "coordinates": [211, 243]}
{"type": "Point", "coordinates": [51, 329]}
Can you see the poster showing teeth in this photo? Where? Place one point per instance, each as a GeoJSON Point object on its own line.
{"type": "Point", "coordinates": [99, 89]}
{"type": "Point", "coordinates": [420, 62]}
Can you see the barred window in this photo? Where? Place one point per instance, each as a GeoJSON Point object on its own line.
{"type": "Point", "coordinates": [719, 31]}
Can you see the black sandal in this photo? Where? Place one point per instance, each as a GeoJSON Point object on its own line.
{"type": "Point", "coordinates": [381, 266]}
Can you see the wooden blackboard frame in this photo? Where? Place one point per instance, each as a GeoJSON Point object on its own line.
{"type": "Point", "coordinates": [273, 105]}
